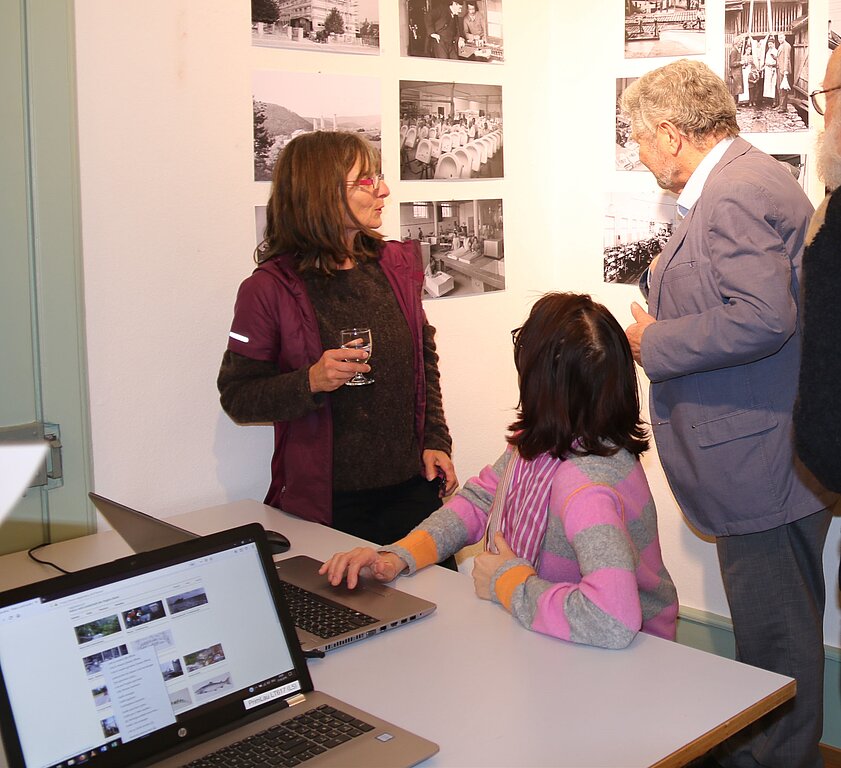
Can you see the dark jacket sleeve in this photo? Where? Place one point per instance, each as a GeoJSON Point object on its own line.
{"type": "Point", "coordinates": [254, 391]}
{"type": "Point", "coordinates": [817, 414]}
{"type": "Point", "coordinates": [436, 433]}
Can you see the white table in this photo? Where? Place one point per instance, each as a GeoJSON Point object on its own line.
{"type": "Point", "coordinates": [488, 691]}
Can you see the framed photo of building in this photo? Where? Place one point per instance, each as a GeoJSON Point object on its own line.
{"type": "Point", "coordinates": [337, 26]}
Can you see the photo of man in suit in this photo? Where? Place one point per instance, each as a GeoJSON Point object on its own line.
{"type": "Point", "coordinates": [784, 73]}
{"type": "Point", "coordinates": [445, 31]}
{"type": "Point", "coordinates": [720, 344]}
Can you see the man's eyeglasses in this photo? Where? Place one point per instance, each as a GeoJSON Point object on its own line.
{"type": "Point", "coordinates": [374, 182]}
{"type": "Point", "coordinates": [819, 98]}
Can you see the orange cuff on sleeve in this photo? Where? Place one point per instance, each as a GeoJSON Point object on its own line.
{"type": "Point", "coordinates": [509, 581]}
{"type": "Point", "coordinates": [421, 546]}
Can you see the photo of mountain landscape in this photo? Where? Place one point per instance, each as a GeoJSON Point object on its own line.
{"type": "Point", "coordinates": [289, 103]}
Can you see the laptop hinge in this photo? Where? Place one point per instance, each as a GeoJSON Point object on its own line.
{"type": "Point", "coordinates": [296, 699]}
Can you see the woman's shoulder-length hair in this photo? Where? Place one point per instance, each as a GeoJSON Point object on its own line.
{"type": "Point", "coordinates": [578, 383]}
{"type": "Point", "coordinates": [307, 213]}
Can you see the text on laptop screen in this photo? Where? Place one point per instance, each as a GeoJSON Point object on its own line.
{"type": "Point", "coordinates": [91, 671]}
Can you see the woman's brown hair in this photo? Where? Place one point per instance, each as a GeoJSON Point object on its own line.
{"type": "Point", "coordinates": [578, 384]}
{"type": "Point", "coordinates": [308, 212]}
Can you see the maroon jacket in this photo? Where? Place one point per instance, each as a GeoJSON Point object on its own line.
{"type": "Point", "coordinates": [302, 463]}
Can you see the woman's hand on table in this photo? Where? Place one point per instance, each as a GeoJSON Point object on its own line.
{"type": "Point", "coordinates": [365, 561]}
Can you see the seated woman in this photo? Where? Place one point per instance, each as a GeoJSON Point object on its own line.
{"type": "Point", "coordinates": [569, 524]}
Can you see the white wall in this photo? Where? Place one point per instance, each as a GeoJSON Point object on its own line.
{"type": "Point", "coordinates": [168, 230]}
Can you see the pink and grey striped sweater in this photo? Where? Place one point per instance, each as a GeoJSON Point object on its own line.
{"type": "Point", "coordinates": [589, 567]}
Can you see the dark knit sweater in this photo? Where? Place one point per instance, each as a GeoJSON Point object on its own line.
{"type": "Point", "coordinates": [817, 413]}
{"type": "Point", "coordinates": [373, 436]}
{"type": "Point", "coordinates": [374, 441]}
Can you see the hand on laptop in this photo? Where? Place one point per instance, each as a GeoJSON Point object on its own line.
{"type": "Point", "coordinates": [383, 566]}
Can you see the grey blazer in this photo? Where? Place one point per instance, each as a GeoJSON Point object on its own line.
{"type": "Point", "coordinates": [723, 356]}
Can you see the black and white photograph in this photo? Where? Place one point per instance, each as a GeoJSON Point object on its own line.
{"type": "Point", "coordinates": [637, 225]}
{"type": "Point", "coordinates": [834, 24]}
{"type": "Point", "coordinates": [796, 165]}
{"type": "Point", "coordinates": [337, 26]}
{"type": "Point", "coordinates": [463, 30]}
{"type": "Point", "coordinates": [627, 150]}
{"type": "Point", "coordinates": [450, 130]}
{"type": "Point", "coordinates": [462, 244]}
{"type": "Point", "coordinates": [290, 103]}
{"type": "Point", "coordinates": [194, 598]}
{"type": "Point", "coordinates": [766, 64]}
{"type": "Point", "coordinates": [654, 28]}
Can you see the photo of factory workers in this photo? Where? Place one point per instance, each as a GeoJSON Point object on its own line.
{"type": "Point", "coordinates": [461, 242]}
{"type": "Point", "coordinates": [450, 130]}
{"type": "Point", "coordinates": [637, 226]}
{"type": "Point", "coordinates": [464, 30]}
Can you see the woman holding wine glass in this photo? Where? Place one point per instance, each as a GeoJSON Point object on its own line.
{"type": "Point", "coordinates": [370, 460]}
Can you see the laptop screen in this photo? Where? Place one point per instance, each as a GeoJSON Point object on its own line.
{"type": "Point", "coordinates": [128, 659]}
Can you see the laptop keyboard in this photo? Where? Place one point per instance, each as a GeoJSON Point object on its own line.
{"type": "Point", "coordinates": [290, 743]}
{"type": "Point", "coordinates": [321, 617]}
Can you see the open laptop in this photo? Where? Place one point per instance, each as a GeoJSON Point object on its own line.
{"type": "Point", "coordinates": [325, 617]}
{"type": "Point", "coordinates": [162, 658]}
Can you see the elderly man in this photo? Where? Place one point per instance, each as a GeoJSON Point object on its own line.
{"type": "Point", "coordinates": [817, 416]}
{"type": "Point", "coordinates": [721, 347]}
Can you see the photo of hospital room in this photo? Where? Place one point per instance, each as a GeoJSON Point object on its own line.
{"type": "Point", "coordinates": [450, 130]}
{"type": "Point", "coordinates": [461, 242]}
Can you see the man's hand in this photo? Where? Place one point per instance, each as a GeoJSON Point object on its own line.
{"type": "Point", "coordinates": [635, 331]}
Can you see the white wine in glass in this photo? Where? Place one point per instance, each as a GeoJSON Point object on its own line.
{"type": "Point", "coordinates": [358, 339]}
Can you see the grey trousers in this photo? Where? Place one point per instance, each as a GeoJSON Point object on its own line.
{"type": "Point", "coordinates": [775, 588]}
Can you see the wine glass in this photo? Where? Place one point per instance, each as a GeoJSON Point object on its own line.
{"type": "Point", "coordinates": [358, 339]}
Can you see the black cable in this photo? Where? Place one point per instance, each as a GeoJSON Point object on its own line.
{"type": "Point", "coordinates": [45, 562]}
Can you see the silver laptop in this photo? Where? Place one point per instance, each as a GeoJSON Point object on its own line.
{"type": "Point", "coordinates": [165, 657]}
{"type": "Point", "coordinates": [325, 617]}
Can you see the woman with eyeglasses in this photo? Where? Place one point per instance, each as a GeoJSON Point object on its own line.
{"type": "Point", "coordinates": [369, 460]}
{"type": "Point", "coordinates": [566, 514]}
